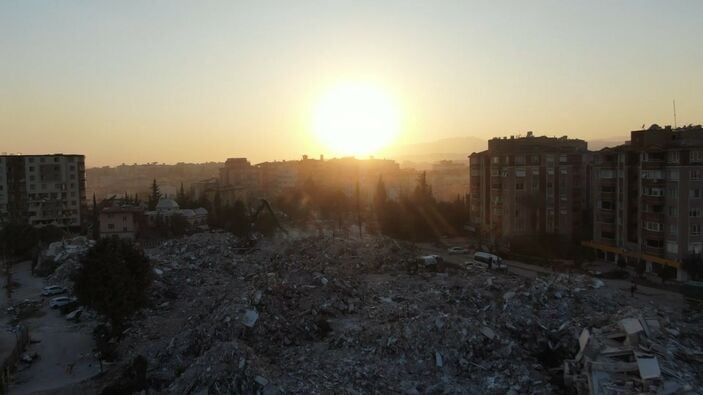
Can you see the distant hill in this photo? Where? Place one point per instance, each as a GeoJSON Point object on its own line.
{"type": "Point", "coordinates": [599, 144]}
{"type": "Point", "coordinates": [455, 148]}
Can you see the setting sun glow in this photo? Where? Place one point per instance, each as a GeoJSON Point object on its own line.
{"type": "Point", "coordinates": [355, 119]}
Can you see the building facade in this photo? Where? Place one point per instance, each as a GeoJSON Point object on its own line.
{"type": "Point", "coordinates": [43, 190]}
{"type": "Point", "coordinates": [527, 186]}
{"type": "Point", "coordinates": [120, 221]}
{"type": "Point", "coordinates": [648, 198]}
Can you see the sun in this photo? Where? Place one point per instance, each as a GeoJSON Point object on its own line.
{"type": "Point", "coordinates": [355, 118]}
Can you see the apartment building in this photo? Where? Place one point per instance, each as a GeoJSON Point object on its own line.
{"type": "Point", "coordinates": [42, 189]}
{"type": "Point", "coordinates": [648, 198]}
{"type": "Point", "coordinates": [448, 180]}
{"type": "Point", "coordinates": [527, 186]}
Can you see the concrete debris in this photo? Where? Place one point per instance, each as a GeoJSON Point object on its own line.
{"type": "Point", "coordinates": [328, 315]}
{"type": "Point", "coordinates": [626, 357]}
{"type": "Point", "coordinates": [250, 317]}
{"type": "Point", "coordinates": [488, 332]}
{"type": "Point", "coordinates": [61, 259]}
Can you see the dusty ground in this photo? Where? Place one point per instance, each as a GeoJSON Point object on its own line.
{"type": "Point", "coordinates": [64, 348]}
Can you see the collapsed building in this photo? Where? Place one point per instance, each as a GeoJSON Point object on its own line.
{"type": "Point", "coordinates": [324, 315]}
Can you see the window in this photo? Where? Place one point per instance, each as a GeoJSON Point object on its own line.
{"type": "Point", "coordinates": [607, 189]}
{"type": "Point", "coordinates": [654, 226]}
{"type": "Point", "coordinates": [672, 247]}
{"type": "Point", "coordinates": [519, 159]}
{"type": "Point", "coordinates": [564, 170]}
{"type": "Point", "coordinates": [673, 229]}
{"type": "Point", "coordinates": [550, 171]}
{"type": "Point", "coordinates": [672, 192]}
{"type": "Point", "coordinates": [535, 171]}
{"type": "Point", "coordinates": [562, 197]}
{"type": "Point", "coordinates": [695, 174]}
{"type": "Point", "coordinates": [673, 211]}
{"type": "Point", "coordinates": [495, 172]}
{"type": "Point", "coordinates": [520, 172]}
{"type": "Point", "coordinates": [652, 175]}
{"type": "Point", "coordinates": [550, 160]}
{"type": "Point", "coordinates": [519, 185]}
{"type": "Point", "coordinates": [695, 247]}
{"type": "Point", "coordinates": [606, 205]}
{"type": "Point", "coordinates": [694, 193]}
{"type": "Point", "coordinates": [694, 212]}
{"type": "Point", "coordinates": [607, 174]}
{"type": "Point", "coordinates": [674, 175]}
{"type": "Point", "coordinates": [694, 229]}
{"type": "Point", "coordinates": [648, 191]}
{"type": "Point", "coordinates": [495, 160]}
{"type": "Point", "coordinates": [607, 235]}
{"type": "Point", "coordinates": [695, 156]}
{"type": "Point", "coordinates": [111, 226]}
{"type": "Point", "coordinates": [673, 156]}
{"type": "Point", "coordinates": [562, 158]}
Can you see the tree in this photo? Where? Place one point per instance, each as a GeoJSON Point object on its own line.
{"type": "Point", "coordinates": [155, 195]}
{"type": "Point", "coordinates": [96, 220]}
{"type": "Point", "coordinates": [113, 279]}
{"type": "Point", "coordinates": [693, 265]}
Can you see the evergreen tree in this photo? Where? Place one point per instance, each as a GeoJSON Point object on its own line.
{"type": "Point", "coordinates": [155, 195]}
{"type": "Point", "coordinates": [114, 279]}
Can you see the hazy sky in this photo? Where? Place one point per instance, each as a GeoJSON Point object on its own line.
{"type": "Point", "coordinates": [169, 81]}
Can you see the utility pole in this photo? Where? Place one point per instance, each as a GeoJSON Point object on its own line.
{"type": "Point", "coordinates": [675, 125]}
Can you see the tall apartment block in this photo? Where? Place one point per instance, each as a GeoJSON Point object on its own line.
{"type": "Point", "coordinates": [527, 186]}
{"type": "Point", "coordinates": [648, 197]}
{"type": "Point", "coordinates": [42, 189]}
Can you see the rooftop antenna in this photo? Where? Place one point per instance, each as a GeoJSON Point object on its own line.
{"type": "Point", "coordinates": [675, 114]}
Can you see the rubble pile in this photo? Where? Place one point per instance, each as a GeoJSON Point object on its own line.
{"type": "Point", "coordinates": [62, 258]}
{"type": "Point", "coordinates": [321, 315]}
{"type": "Point", "coordinates": [634, 355]}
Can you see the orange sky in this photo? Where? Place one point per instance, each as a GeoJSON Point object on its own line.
{"type": "Point", "coordinates": [183, 81]}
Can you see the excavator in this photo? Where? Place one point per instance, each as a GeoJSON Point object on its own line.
{"type": "Point", "coordinates": [263, 203]}
{"type": "Point", "coordinates": [249, 243]}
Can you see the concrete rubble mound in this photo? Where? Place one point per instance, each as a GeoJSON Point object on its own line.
{"type": "Point", "coordinates": [330, 315]}
{"type": "Point", "coordinates": [634, 355]}
{"type": "Point", "coordinates": [62, 258]}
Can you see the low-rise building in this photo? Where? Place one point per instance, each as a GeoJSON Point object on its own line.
{"type": "Point", "coordinates": [121, 221]}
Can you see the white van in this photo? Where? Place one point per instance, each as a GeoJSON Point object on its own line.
{"type": "Point", "coordinates": [490, 261]}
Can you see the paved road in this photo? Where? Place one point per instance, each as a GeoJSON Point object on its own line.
{"type": "Point", "coordinates": [532, 271]}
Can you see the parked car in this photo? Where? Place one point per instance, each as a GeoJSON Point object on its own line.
{"type": "Point", "coordinates": [55, 303]}
{"type": "Point", "coordinates": [457, 250]}
{"type": "Point", "coordinates": [486, 260]}
{"type": "Point", "coordinates": [53, 290]}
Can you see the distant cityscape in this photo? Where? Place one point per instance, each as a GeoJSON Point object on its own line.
{"type": "Point", "coordinates": [639, 201]}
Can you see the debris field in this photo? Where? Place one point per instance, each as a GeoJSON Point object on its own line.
{"type": "Point", "coordinates": [329, 315]}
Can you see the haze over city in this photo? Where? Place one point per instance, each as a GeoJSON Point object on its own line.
{"type": "Point", "coordinates": [179, 81]}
